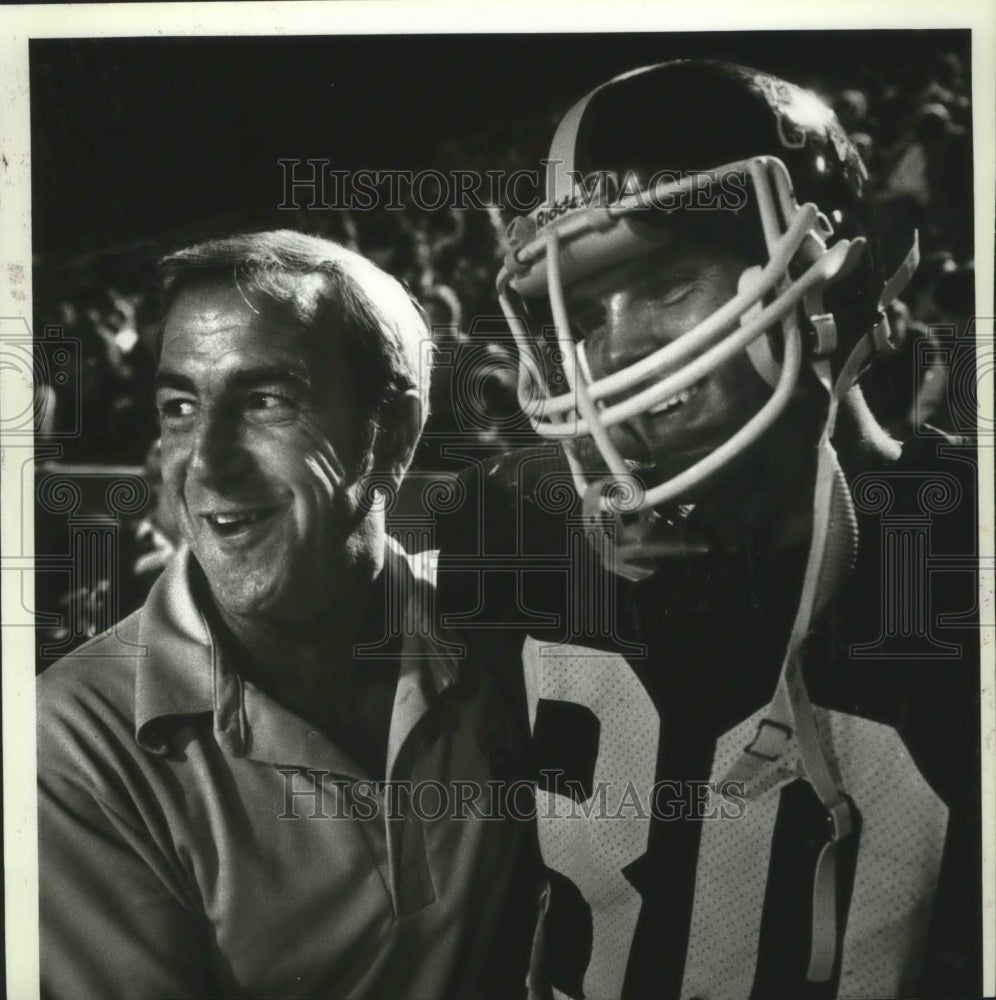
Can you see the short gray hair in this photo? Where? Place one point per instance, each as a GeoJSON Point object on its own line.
{"type": "Point", "coordinates": [382, 330]}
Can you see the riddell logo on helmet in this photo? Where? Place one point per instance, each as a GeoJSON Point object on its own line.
{"type": "Point", "coordinates": [562, 205]}
{"type": "Point", "coordinates": [709, 191]}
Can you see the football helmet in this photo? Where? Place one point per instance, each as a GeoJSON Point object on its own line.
{"type": "Point", "coordinates": [644, 151]}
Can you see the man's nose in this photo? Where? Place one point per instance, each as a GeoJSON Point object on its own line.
{"type": "Point", "coordinates": [217, 450]}
{"type": "Point", "coordinates": [632, 336]}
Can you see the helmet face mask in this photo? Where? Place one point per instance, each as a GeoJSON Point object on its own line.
{"type": "Point", "coordinates": [768, 301]}
{"type": "Point", "coordinates": [625, 313]}
{"type": "Point", "coordinates": [680, 369]}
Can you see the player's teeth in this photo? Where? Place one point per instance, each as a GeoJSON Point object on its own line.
{"type": "Point", "coordinates": [681, 397]}
{"type": "Point", "coordinates": [226, 519]}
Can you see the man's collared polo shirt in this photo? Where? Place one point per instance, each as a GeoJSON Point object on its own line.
{"type": "Point", "coordinates": [199, 839]}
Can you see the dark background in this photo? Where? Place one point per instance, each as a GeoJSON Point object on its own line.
{"type": "Point", "coordinates": [138, 140]}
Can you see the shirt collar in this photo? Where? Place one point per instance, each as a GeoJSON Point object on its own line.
{"type": "Point", "coordinates": [183, 673]}
{"type": "Point", "coordinates": [175, 673]}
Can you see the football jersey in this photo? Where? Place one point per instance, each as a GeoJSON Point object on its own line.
{"type": "Point", "coordinates": [665, 877]}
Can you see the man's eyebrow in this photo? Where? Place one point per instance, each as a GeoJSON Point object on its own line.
{"type": "Point", "coordinates": [167, 379]}
{"type": "Point", "coordinates": [247, 377]}
{"type": "Point", "coordinates": [241, 379]}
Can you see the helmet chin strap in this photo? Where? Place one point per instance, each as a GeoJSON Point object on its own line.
{"type": "Point", "coordinates": [789, 742]}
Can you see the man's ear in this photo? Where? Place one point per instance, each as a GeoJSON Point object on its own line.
{"type": "Point", "coordinates": [401, 423]}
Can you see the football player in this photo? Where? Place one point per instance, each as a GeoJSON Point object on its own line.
{"type": "Point", "coordinates": [756, 759]}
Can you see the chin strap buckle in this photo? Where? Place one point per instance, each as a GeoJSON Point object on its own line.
{"type": "Point", "coordinates": [823, 338]}
{"type": "Point", "coordinates": [824, 334]}
{"type": "Point", "coordinates": [840, 818]}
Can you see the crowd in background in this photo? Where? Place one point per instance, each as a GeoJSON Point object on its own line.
{"type": "Point", "coordinates": [915, 140]}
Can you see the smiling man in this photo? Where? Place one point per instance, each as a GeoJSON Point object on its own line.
{"type": "Point", "coordinates": [626, 312]}
{"type": "Point", "coordinates": [754, 718]}
{"type": "Point", "coordinates": [214, 819]}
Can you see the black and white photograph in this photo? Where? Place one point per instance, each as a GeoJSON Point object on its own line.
{"type": "Point", "coordinates": [497, 507]}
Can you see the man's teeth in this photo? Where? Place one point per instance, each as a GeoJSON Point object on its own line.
{"type": "Point", "coordinates": [226, 520]}
{"type": "Point", "coordinates": [681, 398]}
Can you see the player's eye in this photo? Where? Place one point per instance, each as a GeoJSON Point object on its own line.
{"type": "Point", "coordinates": [175, 409]}
{"type": "Point", "coordinates": [266, 406]}
{"type": "Point", "coordinates": [671, 292]}
{"type": "Point", "coordinates": [676, 294]}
